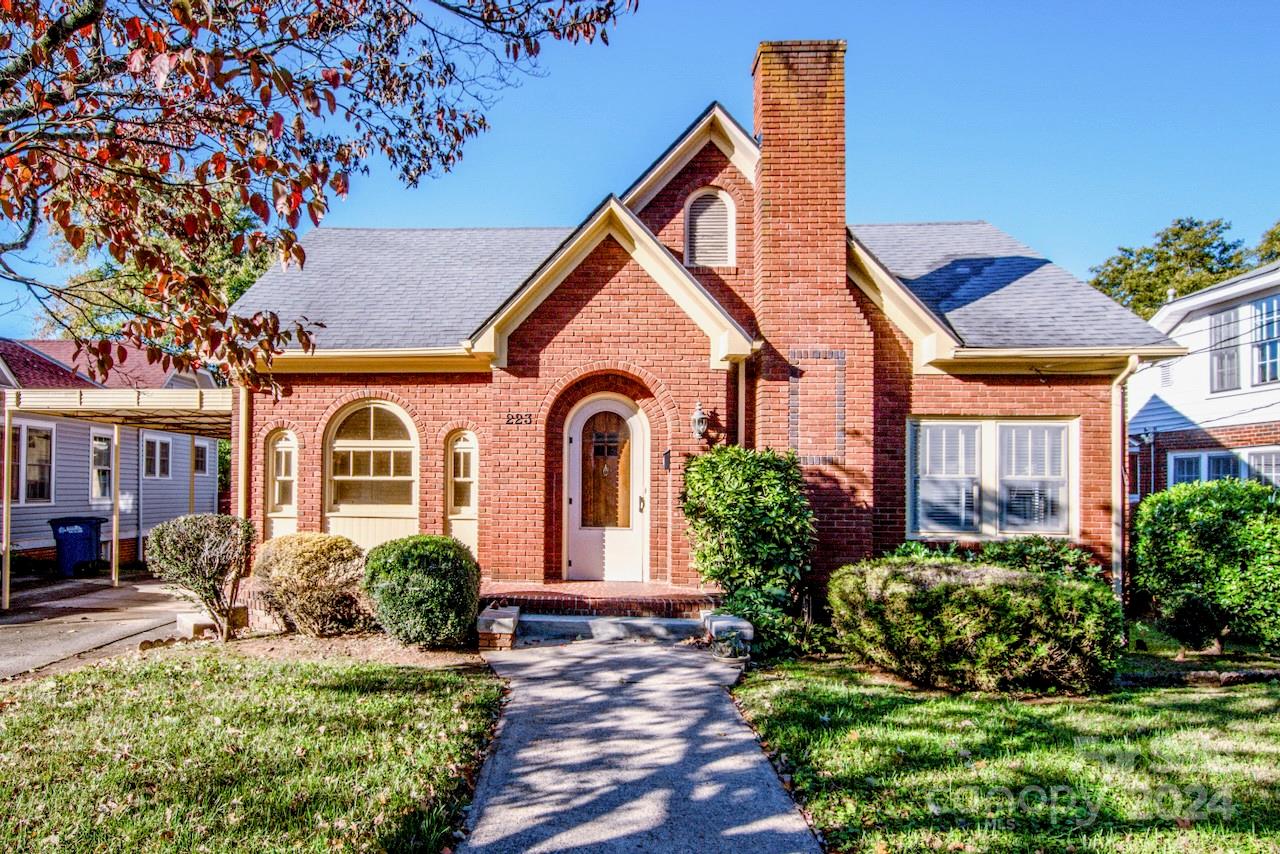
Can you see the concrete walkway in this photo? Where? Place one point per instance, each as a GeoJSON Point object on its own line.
{"type": "Point", "coordinates": [61, 628]}
{"type": "Point", "coordinates": [611, 747]}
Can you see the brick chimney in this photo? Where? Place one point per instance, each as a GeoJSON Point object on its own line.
{"type": "Point", "coordinates": [814, 381]}
{"type": "Point", "coordinates": [800, 225]}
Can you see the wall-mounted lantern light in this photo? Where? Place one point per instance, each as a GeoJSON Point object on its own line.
{"type": "Point", "coordinates": [699, 421]}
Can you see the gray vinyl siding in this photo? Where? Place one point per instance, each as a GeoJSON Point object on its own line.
{"type": "Point", "coordinates": [71, 481]}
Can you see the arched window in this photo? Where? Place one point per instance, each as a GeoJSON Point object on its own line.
{"type": "Point", "coordinates": [708, 230]}
{"type": "Point", "coordinates": [461, 492]}
{"type": "Point", "coordinates": [371, 461]}
{"type": "Point", "coordinates": [282, 492]}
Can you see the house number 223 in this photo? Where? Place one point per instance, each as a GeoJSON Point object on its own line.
{"type": "Point", "coordinates": [519, 417]}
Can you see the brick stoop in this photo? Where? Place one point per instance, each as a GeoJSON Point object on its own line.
{"type": "Point", "coordinates": [600, 598]}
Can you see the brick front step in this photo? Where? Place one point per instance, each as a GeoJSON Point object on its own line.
{"type": "Point", "coordinates": [600, 599]}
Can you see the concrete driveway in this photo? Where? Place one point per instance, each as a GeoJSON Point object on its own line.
{"type": "Point", "coordinates": [55, 630]}
{"type": "Point", "coordinates": [627, 747]}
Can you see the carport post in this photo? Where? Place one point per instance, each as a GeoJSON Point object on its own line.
{"type": "Point", "coordinates": [115, 505]}
{"type": "Point", "coordinates": [191, 475]}
{"type": "Point", "coordinates": [8, 485]}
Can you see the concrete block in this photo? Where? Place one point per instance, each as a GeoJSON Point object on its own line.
{"type": "Point", "coordinates": [194, 625]}
{"type": "Point", "coordinates": [498, 621]}
{"type": "Point", "coordinates": [719, 625]}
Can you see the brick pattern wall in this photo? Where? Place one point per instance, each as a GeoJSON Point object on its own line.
{"type": "Point", "coordinates": [128, 550]}
{"type": "Point", "coordinates": [1202, 439]}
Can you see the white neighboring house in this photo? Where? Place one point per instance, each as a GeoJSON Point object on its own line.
{"type": "Point", "coordinates": [1214, 412]}
{"type": "Point", "coordinates": [63, 466]}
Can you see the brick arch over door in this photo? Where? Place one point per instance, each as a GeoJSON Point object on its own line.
{"type": "Point", "coordinates": [662, 491]}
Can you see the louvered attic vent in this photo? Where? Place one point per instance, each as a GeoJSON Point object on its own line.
{"type": "Point", "coordinates": [708, 241]}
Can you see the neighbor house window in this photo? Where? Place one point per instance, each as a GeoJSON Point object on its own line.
{"type": "Point", "coordinates": [371, 459]}
{"type": "Point", "coordinates": [1221, 466]}
{"type": "Point", "coordinates": [101, 467]}
{"type": "Point", "coordinates": [31, 464]}
{"type": "Point", "coordinates": [1265, 466]}
{"type": "Point", "coordinates": [1224, 350]}
{"type": "Point", "coordinates": [201, 460]}
{"type": "Point", "coordinates": [990, 478]}
{"type": "Point", "coordinates": [709, 239]}
{"type": "Point", "coordinates": [1186, 469]}
{"type": "Point", "coordinates": [1266, 348]}
{"type": "Point", "coordinates": [281, 455]}
{"type": "Point", "coordinates": [1195, 466]}
{"type": "Point", "coordinates": [155, 458]}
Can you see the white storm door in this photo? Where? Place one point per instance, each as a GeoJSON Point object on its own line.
{"type": "Point", "coordinates": [607, 493]}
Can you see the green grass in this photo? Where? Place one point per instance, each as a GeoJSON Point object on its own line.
{"type": "Point", "coordinates": [201, 749]}
{"type": "Point", "coordinates": [882, 768]}
{"type": "Point", "coordinates": [1152, 653]}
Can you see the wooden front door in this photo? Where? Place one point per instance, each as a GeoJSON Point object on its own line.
{"type": "Point", "coordinates": [607, 491]}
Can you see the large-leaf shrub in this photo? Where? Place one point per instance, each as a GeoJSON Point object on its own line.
{"type": "Point", "coordinates": [205, 554]}
{"type": "Point", "coordinates": [425, 589]}
{"type": "Point", "coordinates": [1209, 556]}
{"type": "Point", "coordinates": [753, 533]}
{"type": "Point", "coordinates": [312, 580]}
{"type": "Point", "coordinates": [962, 626]}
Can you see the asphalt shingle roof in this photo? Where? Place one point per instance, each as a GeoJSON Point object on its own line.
{"type": "Point", "coordinates": [410, 288]}
{"type": "Point", "coordinates": [394, 288]}
{"type": "Point", "coordinates": [136, 372]}
{"type": "Point", "coordinates": [36, 370]}
{"type": "Point", "coordinates": [994, 291]}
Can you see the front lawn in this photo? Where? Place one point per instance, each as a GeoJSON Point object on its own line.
{"type": "Point", "coordinates": [885, 768]}
{"type": "Point", "coordinates": [204, 749]}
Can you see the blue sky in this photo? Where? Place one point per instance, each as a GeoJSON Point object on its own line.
{"type": "Point", "coordinates": [1077, 126]}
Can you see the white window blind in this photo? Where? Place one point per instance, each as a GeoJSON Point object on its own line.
{"type": "Point", "coordinates": [1033, 478]}
{"type": "Point", "coordinates": [1224, 351]}
{"type": "Point", "coordinates": [947, 475]}
{"type": "Point", "coordinates": [1265, 466]}
{"type": "Point", "coordinates": [707, 239]}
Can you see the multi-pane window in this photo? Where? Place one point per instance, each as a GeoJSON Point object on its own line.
{"type": "Point", "coordinates": [371, 459]}
{"type": "Point", "coordinates": [462, 475]}
{"type": "Point", "coordinates": [31, 464]}
{"type": "Point", "coordinates": [946, 481]}
{"type": "Point", "coordinates": [1186, 469]}
{"type": "Point", "coordinates": [1265, 466]}
{"type": "Point", "coordinates": [101, 467]}
{"type": "Point", "coordinates": [155, 458]}
{"type": "Point", "coordinates": [281, 455]}
{"type": "Point", "coordinates": [1220, 466]}
{"type": "Point", "coordinates": [200, 462]}
{"type": "Point", "coordinates": [1224, 350]}
{"type": "Point", "coordinates": [989, 478]}
{"type": "Point", "coordinates": [1266, 348]}
{"type": "Point", "coordinates": [1033, 478]}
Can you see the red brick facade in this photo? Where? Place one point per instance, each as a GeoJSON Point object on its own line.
{"type": "Point", "coordinates": [833, 377]}
{"type": "Point", "coordinates": [1153, 458]}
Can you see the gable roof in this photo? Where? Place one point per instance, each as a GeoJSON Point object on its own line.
{"type": "Point", "coordinates": [1237, 287]}
{"type": "Point", "coordinates": [32, 369]}
{"type": "Point", "coordinates": [993, 291]}
{"type": "Point", "coordinates": [400, 287]}
{"type": "Point", "coordinates": [135, 372]}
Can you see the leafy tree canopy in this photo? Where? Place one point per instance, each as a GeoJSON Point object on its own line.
{"type": "Point", "coordinates": [128, 122]}
{"type": "Point", "coordinates": [1190, 255]}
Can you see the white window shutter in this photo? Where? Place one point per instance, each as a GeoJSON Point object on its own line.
{"type": "Point", "coordinates": [708, 239]}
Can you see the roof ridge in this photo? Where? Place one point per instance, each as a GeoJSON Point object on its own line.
{"type": "Point", "coordinates": [442, 228]}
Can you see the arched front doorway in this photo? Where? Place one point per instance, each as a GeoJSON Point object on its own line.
{"type": "Point", "coordinates": [606, 490]}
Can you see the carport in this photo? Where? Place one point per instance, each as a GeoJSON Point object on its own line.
{"type": "Point", "coordinates": [196, 412]}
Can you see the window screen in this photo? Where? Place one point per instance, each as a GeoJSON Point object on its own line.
{"type": "Point", "coordinates": [1033, 478]}
{"type": "Point", "coordinates": [946, 474]}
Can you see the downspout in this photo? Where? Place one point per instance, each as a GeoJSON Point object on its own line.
{"type": "Point", "coordinates": [1119, 453]}
{"type": "Point", "coordinates": [742, 403]}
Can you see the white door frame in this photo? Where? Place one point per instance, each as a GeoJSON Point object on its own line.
{"type": "Point", "coordinates": [638, 424]}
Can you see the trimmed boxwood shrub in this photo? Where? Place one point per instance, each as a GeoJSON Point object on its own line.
{"type": "Point", "coordinates": [753, 532]}
{"type": "Point", "coordinates": [312, 581]}
{"type": "Point", "coordinates": [949, 624]}
{"type": "Point", "coordinates": [1034, 553]}
{"type": "Point", "coordinates": [205, 554]}
{"type": "Point", "coordinates": [1208, 554]}
{"type": "Point", "coordinates": [425, 589]}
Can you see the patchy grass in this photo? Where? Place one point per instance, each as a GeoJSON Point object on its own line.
{"type": "Point", "coordinates": [1153, 654]}
{"type": "Point", "coordinates": [880, 767]}
{"type": "Point", "coordinates": [203, 749]}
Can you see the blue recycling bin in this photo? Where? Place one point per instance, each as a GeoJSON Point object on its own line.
{"type": "Point", "coordinates": [79, 542]}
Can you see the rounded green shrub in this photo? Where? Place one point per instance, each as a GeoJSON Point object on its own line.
{"type": "Point", "coordinates": [205, 554]}
{"type": "Point", "coordinates": [1034, 553]}
{"type": "Point", "coordinates": [964, 626]}
{"type": "Point", "coordinates": [1208, 555]}
{"type": "Point", "coordinates": [425, 589]}
{"type": "Point", "coordinates": [312, 581]}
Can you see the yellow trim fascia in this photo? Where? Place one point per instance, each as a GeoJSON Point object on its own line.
{"type": "Point", "coordinates": [416, 360]}
{"type": "Point", "coordinates": [717, 128]}
{"type": "Point", "coordinates": [728, 342]}
{"type": "Point", "coordinates": [930, 340]}
{"type": "Point", "coordinates": [1042, 353]}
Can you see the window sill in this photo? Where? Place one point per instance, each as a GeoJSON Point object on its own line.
{"type": "Point", "coordinates": [975, 537]}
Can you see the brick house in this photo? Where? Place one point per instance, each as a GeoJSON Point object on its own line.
{"type": "Point", "coordinates": [1214, 412]}
{"type": "Point", "coordinates": [535, 392]}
